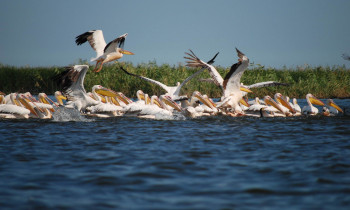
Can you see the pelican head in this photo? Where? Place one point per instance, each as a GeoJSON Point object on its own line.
{"type": "Point", "coordinates": [269, 101]}
{"type": "Point", "coordinates": [155, 100]}
{"type": "Point", "coordinates": [140, 95]}
{"type": "Point", "coordinates": [313, 100]}
{"type": "Point", "coordinates": [284, 101]}
{"type": "Point", "coordinates": [59, 97]}
{"type": "Point", "coordinates": [168, 101]}
{"type": "Point", "coordinates": [331, 103]}
{"type": "Point", "coordinates": [202, 99]}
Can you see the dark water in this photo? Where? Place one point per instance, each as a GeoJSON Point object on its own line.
{"type": "Point", "coordinates": [206, 163]}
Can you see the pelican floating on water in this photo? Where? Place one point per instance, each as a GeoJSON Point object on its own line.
{"type": "Point", "coordinates": [104, 52]}
{"type": "Point", "coordinates": [331, 108]}
{"type": "Point", "coordinates": [310, 109]}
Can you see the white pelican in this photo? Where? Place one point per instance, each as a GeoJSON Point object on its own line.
{"type": "Point", "coordinates": [310, 109]}
{"type": "Point", "coordinates": [103, 109]}
{"type": "Point", "coordinates": [259, 109]}
{"type": "Point", "coordinates": [284, 104]}
{"type": "Point", "coordinates": [230, 85]}
{"type": "Point", "coordinates": [43, 98]}
{"type": "Point", "coordinates": [294, 104]}
{"type": "Point", "coordinates": [193, 109]}
{"type": "Point", "coordinates": [162, 107]}
{"type": "Point", "coordinates": [12, 110]}
{"type": "Point", "coordinates": [72, 81]}
{"type": "Point", "coordinates": [273, 107]}
{"type": "Point", "coordinates": [104, 52]}
{"type": "Point", "coordinates": [331, 109]}
{"type": "Point", "coordinates": [172, 91]}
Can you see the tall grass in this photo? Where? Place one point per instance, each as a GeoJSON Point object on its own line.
{"type": "Point", "coordinates": [323, 82]}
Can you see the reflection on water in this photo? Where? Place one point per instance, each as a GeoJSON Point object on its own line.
{"type": "Point", "coordinates": [205, 163]}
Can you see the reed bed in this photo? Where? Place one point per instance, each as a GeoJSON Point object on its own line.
{"type": "Point", "coordinates": [323, 82]}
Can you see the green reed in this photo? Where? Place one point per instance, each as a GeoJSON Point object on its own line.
{"type": "Point", "coordinates": [323, 82]}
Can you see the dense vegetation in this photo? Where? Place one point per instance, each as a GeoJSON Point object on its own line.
{"type": "Point", "coordinates": [323, 82]}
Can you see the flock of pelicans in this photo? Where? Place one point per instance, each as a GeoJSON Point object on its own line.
{"type": "Point", "coordinates": [103, 102]}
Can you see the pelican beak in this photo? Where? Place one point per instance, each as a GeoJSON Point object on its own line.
{"type": "Point", "coordinates": [106, 92]}
{"type": "Point", "coordinates": [284, 102]}
{"type": "Point", "coordinates": [212, 102]}
{"type": "Point", "coordinates": [123, 98]}
{"type": "Point", "coordinates": [126, 52]}
{"type": "Point", "coordinates": [167, 100]}
{"type": "Point", "coordinates": [316, 101]}
{"type": "Point", "coordinates": [203, 100]}
{"type": "Point", "coordinates": [1, 98]}
{"type": "Point", "coordinates": [244, 102]}
{"type": "Point", "coordinates": [28, 106]}
{"type": "Point", "coordinates": [271, 102]}
{"type": "Point", "coordinates": [157, 102]}
{"type": "Point", "coordinates": [245, 89]}
{"type": "Point", "coordinates": [47, 100]}
{"type": "Point", "coordinates": [336, 107]}
{"type": "Point", "coordinates": [60, 98]}
{"type": "Point", "coordinates": [115, 101]}
{"type": "Point", "coordinates": [148, 100]}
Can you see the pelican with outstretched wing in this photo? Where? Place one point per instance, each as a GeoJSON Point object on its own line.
{"type": "Point", "coordinates": [230, 84]}
{"type": "Point", "coordinates": [104, 52]}
{"type": "Point", "coordinates": [72, 81]}
{"type": "Point", "coordinates": [172, 91]}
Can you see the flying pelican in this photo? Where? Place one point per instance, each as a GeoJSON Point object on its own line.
{"type": "Point", "coordinates": [331, 108]}
{"type": "Point", "coordinates": [72, 81]}
{"type": "Point", "coordinates": [230, 85]}
{"type": "Point", "coordinates": [172, 91]}
{"type": "Point", "coordinates": [310, 109]}
{"type": "Point", "coordinates": [104, 52]}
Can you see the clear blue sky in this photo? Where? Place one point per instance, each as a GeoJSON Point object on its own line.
{"type": "Point", "coordinates": [270, 32]}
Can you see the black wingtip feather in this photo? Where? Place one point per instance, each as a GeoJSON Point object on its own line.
{"type": "Point", "coordinates": [82, 38]}
{"type": "Point", "coordinates": [211, 61]}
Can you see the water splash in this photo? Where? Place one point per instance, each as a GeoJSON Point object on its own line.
{"type": "Point", "coordinates": [63, 114]}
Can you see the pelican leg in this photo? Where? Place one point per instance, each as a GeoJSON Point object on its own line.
{"type": "Point", "coordinates": [99, 61]}
{"type": "Point", "coordinates": [99, 69]}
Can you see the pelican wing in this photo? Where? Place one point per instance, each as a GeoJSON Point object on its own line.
{"type": "Point", "coordinates": [233, 77]}
{"type": "Point", "coordinates": [95, 39]}
{"type": "Point", "coordinates": [266, 84]}
{"type": "Point", "coordinates": [165, 87]}
{"type": "Point", "coordinates": [116, 43]}
{"type": "Point", "coordinates": [72, 80]}
{"type": "Point", "coordinates": [194, 61]}
{"type": "Point", "coordinates": [177, 91]}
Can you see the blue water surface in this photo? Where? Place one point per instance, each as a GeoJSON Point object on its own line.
{"type": "Point", "coordinates": [207, 163]}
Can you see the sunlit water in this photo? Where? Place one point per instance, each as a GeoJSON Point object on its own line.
{"type": "Point", "coordinates": [206, 163]}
